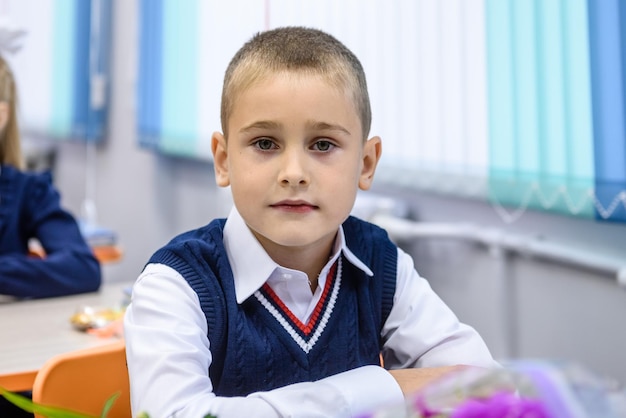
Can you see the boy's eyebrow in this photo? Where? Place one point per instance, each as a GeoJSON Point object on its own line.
{"type": "Point", "coordinates": [262, 124]}
{"type": "Point", "coordinates": [325, 126]}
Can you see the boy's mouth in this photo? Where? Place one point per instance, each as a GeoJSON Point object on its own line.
{"type": "Point", "coordinates": [297, 206]}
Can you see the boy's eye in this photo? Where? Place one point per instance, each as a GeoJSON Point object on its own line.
{"type": "Point", "coordinates": [264, 144]}
{"type": "Point", "coordinates": [323, 145]}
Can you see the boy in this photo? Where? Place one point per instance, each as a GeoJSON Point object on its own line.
{"type": "Point", "coordinates": [284, 308]}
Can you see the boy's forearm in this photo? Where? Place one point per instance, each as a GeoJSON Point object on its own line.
{"type": "Point", "coordinates": [412, 380]}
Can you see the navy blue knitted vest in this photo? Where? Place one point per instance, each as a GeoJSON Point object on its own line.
{"type": "Point", "coordinates": [259, 345]}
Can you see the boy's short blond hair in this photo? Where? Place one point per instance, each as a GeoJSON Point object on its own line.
{"type": "Point", "coordinates": [296, 49]}
{"type": "Point", "coordinates": [10, 149]}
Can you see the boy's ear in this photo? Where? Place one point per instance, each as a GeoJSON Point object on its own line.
{"type": "Point", "coordinates": [220, 159]}
{"type": "Point", "coordinates": [4, 115]}
{"type": "Point", "coordinates": [372, 151]}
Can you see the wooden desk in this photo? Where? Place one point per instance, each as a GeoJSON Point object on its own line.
{"type": "Point", "coordinates": [33, 331]}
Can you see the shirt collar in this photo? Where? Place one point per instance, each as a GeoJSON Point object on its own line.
{"type": "Point", "coordinates": [252, 266]}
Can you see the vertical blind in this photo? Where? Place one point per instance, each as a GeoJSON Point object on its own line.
{"type": "Point", "coordinates": [184, 48]}
{"type": "Point", "coordinates": [62, 68]}
{"type": "Point", "coordinates": [517, 102]}
{"type": "Point", "coordinates": [539, 95]}
{"type": "Point", "coordinates": [608, 51]}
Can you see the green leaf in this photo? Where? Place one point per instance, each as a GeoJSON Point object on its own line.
{"type": "Point", "coordinates": [47, 411]}
{"type": "Point", "coordinates": [109, 404]}
{"type": "Point", "coordinates": [52, 411]}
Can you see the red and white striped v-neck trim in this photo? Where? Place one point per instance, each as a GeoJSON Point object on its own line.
{"type": "Point", "coordinates": [304, 334]}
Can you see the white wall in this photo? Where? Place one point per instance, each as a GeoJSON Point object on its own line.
{"type": "Point", "coordinates": [528, 307]}
{"type": "Point", "coordinates": [557, 311]}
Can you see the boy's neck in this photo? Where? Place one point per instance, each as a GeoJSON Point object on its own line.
{"type": "Point", "coordinates": [310, 260]}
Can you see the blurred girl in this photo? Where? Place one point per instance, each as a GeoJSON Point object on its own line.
{"type": "Point", "coordinates": [30, 210]}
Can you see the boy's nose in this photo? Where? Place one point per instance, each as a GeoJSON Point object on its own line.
{"type": "Point", "coordinates": [293, 169]}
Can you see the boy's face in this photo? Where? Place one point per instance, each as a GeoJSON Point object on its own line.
{"type": "Point", "coordinates": [294, 160]}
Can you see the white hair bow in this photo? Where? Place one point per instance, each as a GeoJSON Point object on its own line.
{"type": "Point", "coordinates": [11, 36]}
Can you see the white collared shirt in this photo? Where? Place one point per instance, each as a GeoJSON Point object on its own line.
{"type": "Point", "coordinates": [168, 348]}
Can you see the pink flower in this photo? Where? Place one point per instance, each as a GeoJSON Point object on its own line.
{"type": "Point", "coordinates": [501, 405]}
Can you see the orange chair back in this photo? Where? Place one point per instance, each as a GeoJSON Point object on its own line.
{"type": "Point", "coordinates": [84, 380]}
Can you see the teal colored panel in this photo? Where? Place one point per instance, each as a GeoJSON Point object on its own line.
{"type": "Point", "coordinates": [578, 90]}
{"type": "Point", "coordinates": [500, 85]}
{"type": "Point", "coordinates": [553, 166]}
{"type": "Point", "coordinates": [513, 107]}
{"type": "Point", "coordinates": [533, 47]}
{"type": "Point", "coordinates": [526, 92]}
{"type": "Point", "coordinates": [579, 118]}
{"type": "Point", "coordinates": [551, 89]}
{"type": "Point", "coordinates": [179, 88]}
{"type": "Point", "coordinates": [64, 27]}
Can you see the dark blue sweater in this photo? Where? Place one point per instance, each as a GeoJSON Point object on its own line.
{"type": "Point", "coordinates": [30, 208]}
{"type": "Point", "coordinates": [257, 345]}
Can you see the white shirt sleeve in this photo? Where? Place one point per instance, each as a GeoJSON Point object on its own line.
{"type": "Point", "coordinates": [169, 358]}
{"type": "Point", "coordinates": [422, 331]}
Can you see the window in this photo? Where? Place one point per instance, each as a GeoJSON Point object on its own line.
{"type": "Point", "coordinates": [515, 102]}
{"type": "Point", "coordinates": [62, 68]}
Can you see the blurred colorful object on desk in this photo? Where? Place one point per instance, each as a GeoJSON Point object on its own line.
{"type": "Point", "coordinates": [97, 235]}
{"type": "Point", "coordinates": [103, 243]}
{"type": "Point", "coordinates": [521, 389]}
{"type": "Point", "coordinates": [88, 317]}
{"type": "Point", "coordinates": [108, 253]}
{"type": "Point", "coordinates": [102, 240]}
